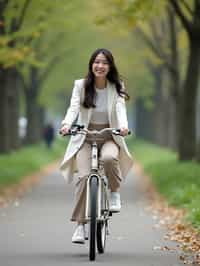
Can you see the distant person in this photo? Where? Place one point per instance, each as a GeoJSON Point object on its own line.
{"type": "Point", "coordinates": [49, 135]}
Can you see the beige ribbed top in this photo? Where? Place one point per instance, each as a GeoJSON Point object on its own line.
{"type": "Point", "coordinates": [100, 113]}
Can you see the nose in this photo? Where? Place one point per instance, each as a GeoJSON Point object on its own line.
{"type": "Point", "coordinates": [100, 64]}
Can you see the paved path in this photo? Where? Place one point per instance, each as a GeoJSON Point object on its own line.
{"type": "Point", "coordinates": [36, 231]}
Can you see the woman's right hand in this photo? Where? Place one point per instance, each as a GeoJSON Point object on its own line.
{"type": "Point", "coordinates": [64, 130]}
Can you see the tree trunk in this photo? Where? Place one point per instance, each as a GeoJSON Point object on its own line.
{"type": "Point", "coordinates": [160, 112]}
{"type": "Point", "coordinates": [32, 113]}
{"type": "Point", "coordinates": [171, 123]}
{"type": "Point", "coordinates": [174, 106]}
{"type": "Point", "coordinates": [4, 118]}
{"type": "Point", "coordinates": [41, 120]}
{"type": "Point", "coordinates": [9, 115]}
{"type": "Point", "coordinates": [144, 127]}
{"type": "Point", "coordinates": [187, 143]}
{"type": "Point", "coordinates": [174, 73]}
{"type": "Point", "coordinates": [4, 114]}
{"type": "Point", "coordinates": [12, 88]}
{"type": "Point", "coordinates": [33, 109]}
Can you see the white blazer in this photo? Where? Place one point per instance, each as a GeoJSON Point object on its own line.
{"type": "Point", "coordinates": [117, 119]}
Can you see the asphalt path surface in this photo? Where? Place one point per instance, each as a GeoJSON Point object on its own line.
{"type": "Point", "coordinates": [35, 230]}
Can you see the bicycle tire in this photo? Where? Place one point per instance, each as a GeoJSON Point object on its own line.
{"type": "Point", "coordinates": [93, 213]}
{"type": "Point", "coordinates": [101, 236]}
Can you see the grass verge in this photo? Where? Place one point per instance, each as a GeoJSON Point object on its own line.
{"type": "Point", "coordinates": [178, 182]}
{"type": "Point", "coordinates": [16, 165]}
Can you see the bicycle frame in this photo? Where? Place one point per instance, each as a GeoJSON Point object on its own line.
{"type": "Point", "coordinates": [102, 186]}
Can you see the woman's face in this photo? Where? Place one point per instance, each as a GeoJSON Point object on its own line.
{"type": "Point", "coordinates": [100, 66]}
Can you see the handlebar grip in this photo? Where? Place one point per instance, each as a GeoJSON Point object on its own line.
{"type": "Point", "coordinates": [118, 130]}
{"type": "Point", "coordinates": [73, 130]}
{"type": "Point", "coordinates": [78, 126]}
{"type": "Point", "coordinates": [66, 134]}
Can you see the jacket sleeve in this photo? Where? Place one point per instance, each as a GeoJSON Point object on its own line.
{"type": "Point", "coordinates": [74, 108]}
{"type": "Point", "coordinates": [121, 111]}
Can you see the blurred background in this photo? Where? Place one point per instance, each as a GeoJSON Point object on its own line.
{"type": "Point", "coordinates": [46, 45]}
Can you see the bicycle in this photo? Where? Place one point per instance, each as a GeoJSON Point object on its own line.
{"type": "Point", "coordinates": [97, 210]}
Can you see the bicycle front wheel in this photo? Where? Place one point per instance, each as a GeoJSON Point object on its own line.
{"type": "Point", "coordinates": [101, 236]}
{"type": "Point", "coordinates": [93, 214]}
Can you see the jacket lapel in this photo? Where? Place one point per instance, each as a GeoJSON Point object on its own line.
{"type": "Point", "coordinates": [110, 99]}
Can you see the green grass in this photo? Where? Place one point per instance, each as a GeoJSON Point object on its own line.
{"type": "Point", "coordinates": [178, 181]}
{"type": "Point", "coordinates": [27, 160]}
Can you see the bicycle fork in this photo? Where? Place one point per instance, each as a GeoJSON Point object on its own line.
{"type": "Point", "coordinates": [94, 174]}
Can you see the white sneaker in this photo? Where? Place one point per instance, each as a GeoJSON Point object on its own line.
{"type": "Point", "coordinates": [79, 235]}
{"type": "Point", "coordinates": [115, 203]}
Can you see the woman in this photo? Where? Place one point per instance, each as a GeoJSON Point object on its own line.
{"type": "Point", "coordinates": [98, 101]}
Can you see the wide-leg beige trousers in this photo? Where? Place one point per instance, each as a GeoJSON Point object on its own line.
{"type": "Point", "coordinates": [109, 154]}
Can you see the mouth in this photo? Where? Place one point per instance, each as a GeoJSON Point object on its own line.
{"type": "Point", "coordinates": [100, 71]}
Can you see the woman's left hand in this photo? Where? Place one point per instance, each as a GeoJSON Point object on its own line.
{"type": "Point", "coordinates": [124, 131]}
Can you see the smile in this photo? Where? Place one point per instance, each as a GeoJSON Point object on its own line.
{"type": "Point", "coordinates": [100, 71]}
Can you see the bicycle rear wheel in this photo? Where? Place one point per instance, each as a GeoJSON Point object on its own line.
{"type": "Point", "coordinates": [93, 213]}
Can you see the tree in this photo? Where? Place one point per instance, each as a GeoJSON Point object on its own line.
{"type": "Point", "coordinates": [190, 18]}
{"type": "Point", "coordinates": [33, 88]}
{"type": "Point", "coordinates": [4, 143]}
{"type": "Point", "coordinates": [9, 85]}
{"type": "Point", "coordinates": [18, 52]}
{"type": "Point", "coordinates": [161, 38]}
{"type": "Point", "coordinates": [129, 13]}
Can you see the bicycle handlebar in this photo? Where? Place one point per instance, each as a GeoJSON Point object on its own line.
{"type": "Point", "coordinates": [79, 129]}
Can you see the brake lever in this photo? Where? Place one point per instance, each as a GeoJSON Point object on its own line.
{"type": "Point", "coordinates": [78, 127]}
{"type": "Point", "coordinates": [117, 132]}
{"type": "Point", "coordinates": [75, 129]}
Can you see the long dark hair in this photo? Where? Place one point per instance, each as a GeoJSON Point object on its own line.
{"type": "Point", "coordinates": [112, 76]}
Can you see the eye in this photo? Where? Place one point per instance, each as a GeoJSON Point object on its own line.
{"type": "Point", "coordinates": [103, 62]}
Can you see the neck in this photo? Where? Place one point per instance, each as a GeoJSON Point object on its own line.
{"type": "Point", "coordinates": [100, 83]}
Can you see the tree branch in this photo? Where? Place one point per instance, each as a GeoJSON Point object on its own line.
{"type": "Point", "coordinates": [3, 5]}
{"type": "Point", "coordinates": [156, 50]}
{"type": "Point", "coordinates": [187, 7]}
{"type": "Point", "coordinates": [175, 75]}
{"type": "Point", "coordinates": [22, 15]}
{"type": "Point", "coordinates": [17, 22]}
{"type": "Point", "coordinates": [186, 23]}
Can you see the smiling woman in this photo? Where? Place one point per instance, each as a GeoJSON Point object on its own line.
{"type": "Point", "coordinates": [100, 68]}
{"type": "Point", "coordinates": [98, 101]}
